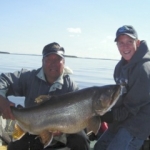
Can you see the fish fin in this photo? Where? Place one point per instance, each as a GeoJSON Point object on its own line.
{"type": "Point", "coordinates": [94, 125]}
{"type": "Point", "coordinates": [46, 138]}
{"type": "Point", "coordinates": [42, 98]}
{"type": "Point", "coordinates": [18, 133]}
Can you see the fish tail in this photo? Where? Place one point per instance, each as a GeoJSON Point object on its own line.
{"type": "Point", "coordinates": [18, 133]}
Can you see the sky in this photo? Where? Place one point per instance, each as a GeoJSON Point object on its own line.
{"type": "Point", "coordinates": [85, 28]}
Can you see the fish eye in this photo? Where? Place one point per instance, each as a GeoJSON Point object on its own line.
{"type": "Point", "coordinates": [98, 102]}
{"type": "Point", "coordinates": [109, 90]}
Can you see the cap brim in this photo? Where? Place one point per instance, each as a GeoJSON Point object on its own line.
{"type": "Point", "coordinates": [59, 54]}
{"type": "Point", "coordinates": [133, 37]}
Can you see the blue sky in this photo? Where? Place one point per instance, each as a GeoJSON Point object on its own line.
{"type": "Point", "coordinates": [84, 28]}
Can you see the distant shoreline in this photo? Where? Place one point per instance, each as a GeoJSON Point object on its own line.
{"type": "Point", "coordinates": [32, 54]}
{"type": "Point", "coordinates": [5, 52]}
{"type": "Point", "coordinates": [64, 55]}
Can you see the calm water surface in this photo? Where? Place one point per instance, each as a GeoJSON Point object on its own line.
{"type": "Point", "coordinates": [86, 72]}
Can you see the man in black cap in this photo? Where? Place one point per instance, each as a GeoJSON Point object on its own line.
{"type": "Point", "coordinates": [129, 119]}
{"type": "Point", "coordinates": [51, 79]}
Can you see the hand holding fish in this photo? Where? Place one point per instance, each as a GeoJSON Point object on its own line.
{"type": "Point", "coordinates": [107, 117]}
{"type": "Point", "coordinates": [5, 110]}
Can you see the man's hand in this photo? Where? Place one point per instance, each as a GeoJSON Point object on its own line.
{"type": "Point", "coordinates": [108, 117]}
{"type": "Point", "coordinates": [5, 110]}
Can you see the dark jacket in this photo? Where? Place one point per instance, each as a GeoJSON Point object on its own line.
{"type": "Point", "coordinates": [132, 111]}
{"type": "Point", "coordinates": [30, 85]}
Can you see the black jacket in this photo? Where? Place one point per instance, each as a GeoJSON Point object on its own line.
{"type": "Point", "coordinates": [132, 111]}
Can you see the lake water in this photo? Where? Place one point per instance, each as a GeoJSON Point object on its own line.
{"type": "Point", "coordinates": [86, 72]}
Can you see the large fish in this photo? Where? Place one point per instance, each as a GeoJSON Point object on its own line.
{"type": "Point", "coordinates": [68, 113]}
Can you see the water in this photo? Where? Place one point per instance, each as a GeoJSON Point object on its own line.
{"type": "Point", "coordinates": [86, 72]}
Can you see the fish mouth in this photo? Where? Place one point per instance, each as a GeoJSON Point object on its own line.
{"type": "Point", "coordinates": [115, 96]}
{"type": "Point", "coordinates": [116, 92]}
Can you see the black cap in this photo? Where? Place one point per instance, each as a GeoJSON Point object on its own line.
{"type": "Point", "coordinates": [53, 48]}
{"type": "Point", "coordinates": [127, 30]}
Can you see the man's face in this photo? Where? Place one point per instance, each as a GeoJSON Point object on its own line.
{"type": "Point", "coordinates": [127, 46]}
{"type": "Point", "coordinates": [53, 66]}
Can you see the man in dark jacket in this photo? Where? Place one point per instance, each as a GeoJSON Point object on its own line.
{"type": "Point", "coordinates": [51, 79]}
{"type": "Point", "coordinates": [129, 119]}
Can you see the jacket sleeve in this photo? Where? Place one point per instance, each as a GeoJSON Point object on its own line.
{"type": "Point", "coordinates": [117, 114]}
{"type": "Point", "coordinates": [70, 83]}
{"type": "Point", "coordinates": [10, 83]}
{"type": "Point", "coordinates": [120, 113]}
{"type": "Point", "coordinates": [138, 94]}
{"type": "Point", "coordinates": [73, 86]}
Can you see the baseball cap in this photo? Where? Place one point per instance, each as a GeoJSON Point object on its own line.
{"type": "Point", "coordinates": [53, 48]}
{"type": "Point", "coordinates": [127, 30]}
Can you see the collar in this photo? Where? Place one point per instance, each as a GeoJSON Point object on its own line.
{"type": "Point", "coordinates": [56, 85]}
{"type": "Point", "coordinates": [59, 82]}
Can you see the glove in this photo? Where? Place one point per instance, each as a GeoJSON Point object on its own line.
{"type": "Point", "coordinates": [92, 137]}
{"type": "Point", "coordinates": [108, 117]}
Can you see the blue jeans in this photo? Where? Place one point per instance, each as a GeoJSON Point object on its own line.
{"type": "Point", "coordinates": [122, 140]}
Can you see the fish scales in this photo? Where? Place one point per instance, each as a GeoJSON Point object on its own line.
{"type": "Point", "coordinates": [68, 113]}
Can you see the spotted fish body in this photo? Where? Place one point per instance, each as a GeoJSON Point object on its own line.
{"type": "Point", "coordinates": [69, 113]}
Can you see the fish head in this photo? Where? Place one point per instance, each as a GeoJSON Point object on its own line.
{"type": "Point", "coordinates": [105, 98]}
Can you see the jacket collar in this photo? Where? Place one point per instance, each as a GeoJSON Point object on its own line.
{"type": "Point", "coordinates": [59, 82]}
